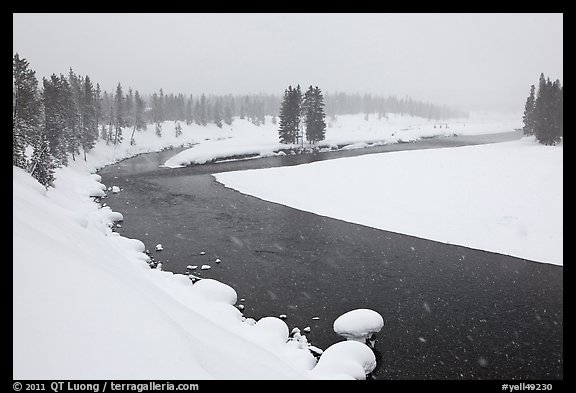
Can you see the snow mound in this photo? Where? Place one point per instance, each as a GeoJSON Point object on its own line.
{"type": "Point", "coordinates": [111, 216]}
{"type": "Point", "coordinates": [215, 291]}
{"type": "Point", "coordinates": [273, 329]}
{"type": "Point", "coordinates": [359, 324]}
{"type": "Point", "coordinates": [345, 360]}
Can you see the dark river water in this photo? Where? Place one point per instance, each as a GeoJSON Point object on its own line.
{"type": "Point", "coordinates": [450, 312]}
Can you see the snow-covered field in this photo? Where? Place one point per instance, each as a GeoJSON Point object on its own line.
{"type": "Point", "coordinates": [86, 305]}
{"type": "Point", "coordinates": [504, 197]}
{"type": "Point", "coordinates": [242, 138]}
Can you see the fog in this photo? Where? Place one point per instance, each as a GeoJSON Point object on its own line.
{"type": "Point", "coordinates": [468, 61]}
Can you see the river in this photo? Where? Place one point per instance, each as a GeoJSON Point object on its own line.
{"type": "Point", "coordinates": [450, 312]}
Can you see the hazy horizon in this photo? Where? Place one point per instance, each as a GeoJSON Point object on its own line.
{"type": "Point", "coordinates": [467, 61]}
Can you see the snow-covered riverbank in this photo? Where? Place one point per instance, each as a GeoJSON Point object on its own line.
{"type": "Point", "coordinates": [504, 197]}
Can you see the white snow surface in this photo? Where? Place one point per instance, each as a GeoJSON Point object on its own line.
{"type": "Point", "coordinates": [503, 197]}
{"type": "Point", "coordinates": [358, 324]}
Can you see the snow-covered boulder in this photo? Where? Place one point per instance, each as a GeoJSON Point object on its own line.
{"type": "Point", "coordinates": [205, 267]}
{"type": "Point", "coordinates": [345, 360]}
{"type": "Point", "coordinates": [359, 324]}
{"type": "Point", "coordinates": [115, 189]}
{"type": "Point", "coordinates": [215, 290]}
{"type": "Point", "coordinates": [272, 328]}
{"type": "Point", "coordinates": [111, 216]}
{"type": "Point", "coordinates": [159, 247]}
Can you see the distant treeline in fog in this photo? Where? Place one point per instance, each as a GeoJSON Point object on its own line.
{"type": "Point", "coordinates": [66, 114]}
{"type": "Point", "coordinates": [204, 109]}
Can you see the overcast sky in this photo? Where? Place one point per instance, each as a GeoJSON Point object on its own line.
{"type": "Point", "coordinates": [470, 61]}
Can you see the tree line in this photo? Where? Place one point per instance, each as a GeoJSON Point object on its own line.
{"type": "Point", "coordinates": [543, 112]}
{"type": "Point", "coordinates": [381, 106]}
{"type": "Point", "coordinates": [66, 115]}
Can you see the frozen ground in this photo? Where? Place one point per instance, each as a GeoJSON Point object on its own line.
{"type": "Point", "coordinates": [505, 198]}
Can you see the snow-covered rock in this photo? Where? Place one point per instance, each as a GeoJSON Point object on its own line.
{"type": "Point", "coordinates": [273, 329]}
{"type": "Point", "coordinates": [359, 324]}
{"type": "Point", "coordinates": [115, 189]}
{"type": "Point", "coordinates": [346, 360]}
{"type": "Point", "coordinates": [111, 216]}
{"type": "Point", "coordinates": [205, 267]}
{"type": "Point", "coordinates": [215, 291]}
{"type": "Point", "coordinates": [159, 247]}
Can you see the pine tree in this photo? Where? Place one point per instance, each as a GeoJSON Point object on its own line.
{"type": "Point", "coordinates": [139, 109]}
{"type": "Point", "coordinates": [89, 132]}
{"type": "Point", "coordinates": [129, 108]}
{"type": "Point", "coordinates": [103, 132]}
{"type": "Point", "coordinates": [72, 92]}
{"type": "Point", "coordinates": [177, 129]}
{"type": "Point", "coordinates": [556, 112]}
{"type": "Point", "coordinates": [202, 111]}
{"type": "Point", "coordinates": [26, 109]}
{"type": "Point", "coordinates": [228, 118]}
{"type": "Point", "coordinates": [218, 113]}
{"type": "Point", "coordinates": [158, 112]}
{"type": "Point", "coordinates": [540, 110]}
{"type": "Point", "coordinates": [161, 106]}
{"type": "Point", "coordinates": [189, 111]}
{"type": "Point", "coordinates": [119, 109]}
{"type": "Point", "coordinates": [299, 114]}
{"type": "Point", "coordinates": [289, 117]}
{"type": "Point", "coordinates": [139, 123]}
{"type": "Point", "coordinates": [528, 119]}
{"type": "Point", "coordinates": [548, 112]}
{"type": "Point", "coordinates": [196, 112]}
{"type": "Point", "coordinates": [42, 163]}
{"type": "Point", "coordinates": [314, 115]}
{"type": "Point", "coordinates": [57, 123]}
{"type": "Point", "coordinates": [98, 105]}
{"type": "Point", "coordinates": [286, 126]}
